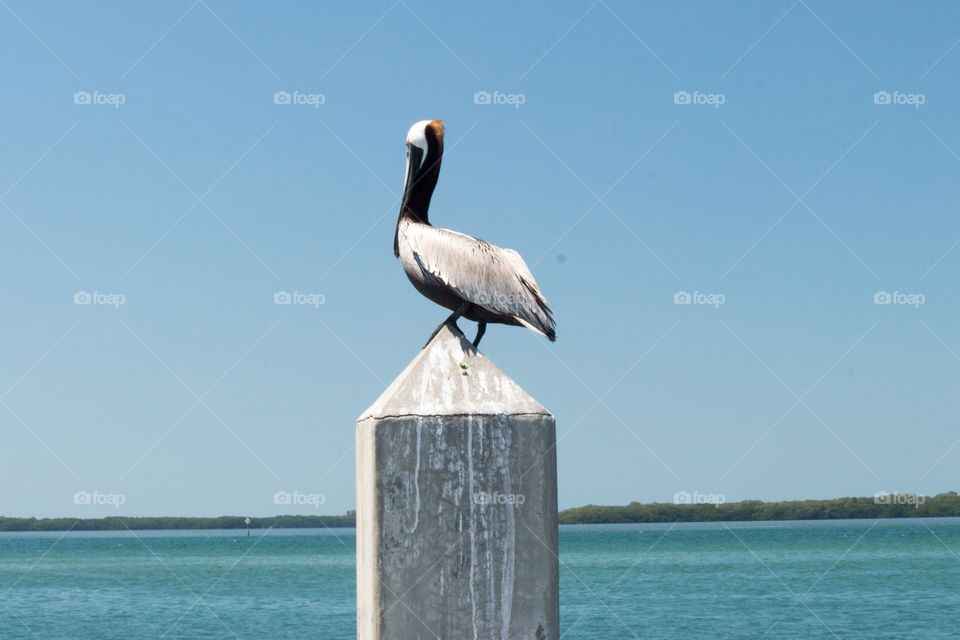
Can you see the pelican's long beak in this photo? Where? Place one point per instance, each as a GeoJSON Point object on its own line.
{"type": "Point", "coordinates": [414, 160]}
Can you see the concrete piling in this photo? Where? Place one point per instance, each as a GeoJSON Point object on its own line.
{"type": "Point", "coordinates": [456, 504]}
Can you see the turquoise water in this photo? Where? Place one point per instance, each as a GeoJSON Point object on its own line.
{"type": "Point", "coordinates": [897, 579]}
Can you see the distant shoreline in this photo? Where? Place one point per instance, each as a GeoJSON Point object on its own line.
{"type": "Point", "coordinates": [711, 508]}
{"type": "Point", "coordinates": [152, 523]}
{"type": "Point", "coordinates": [697, 509]}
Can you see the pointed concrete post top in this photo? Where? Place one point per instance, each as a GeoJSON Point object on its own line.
{"type": "Point", "coordinates": [450, 377]}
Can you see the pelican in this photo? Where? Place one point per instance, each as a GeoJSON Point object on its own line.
{"type": "Point", "coordinates": [475, 279]}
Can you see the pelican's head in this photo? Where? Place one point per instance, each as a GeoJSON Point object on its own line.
{"type": "Point", "coordinates": [424, 142]}
{"type": "Point", "coordinates": [417, 137]}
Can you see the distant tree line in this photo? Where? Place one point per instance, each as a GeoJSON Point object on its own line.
{"type": "Point", "coordinates": [119, 523]}
{"type": "Point", "coordinates": [883, 506]}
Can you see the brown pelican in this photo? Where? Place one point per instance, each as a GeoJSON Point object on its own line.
{"type": "Point", "coordinates": [477, 280]}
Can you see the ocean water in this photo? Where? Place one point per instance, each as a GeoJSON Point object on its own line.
{"type": "Point", "coordinates": [897, 579]}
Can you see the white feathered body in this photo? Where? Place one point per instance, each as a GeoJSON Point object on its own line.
{"type": "Point", "coordinates": [451, 268]}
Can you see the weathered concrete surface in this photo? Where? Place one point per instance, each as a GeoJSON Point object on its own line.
{"type": "Point", "coordinates": [456, 504]}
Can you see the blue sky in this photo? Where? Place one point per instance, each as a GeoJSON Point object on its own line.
{"type": "Point", "coordinates": [733, 151]}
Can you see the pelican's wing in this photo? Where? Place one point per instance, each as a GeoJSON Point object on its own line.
{"type": "Point", "coordinates": [490, 277]}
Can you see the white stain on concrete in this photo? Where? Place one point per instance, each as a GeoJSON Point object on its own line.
{"type": "Point", "coordinates": [416, 481]}
{"type": "Point", "coordinates": [510, 547]}
{"type": "Point", "coordinates": [473, 529]}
